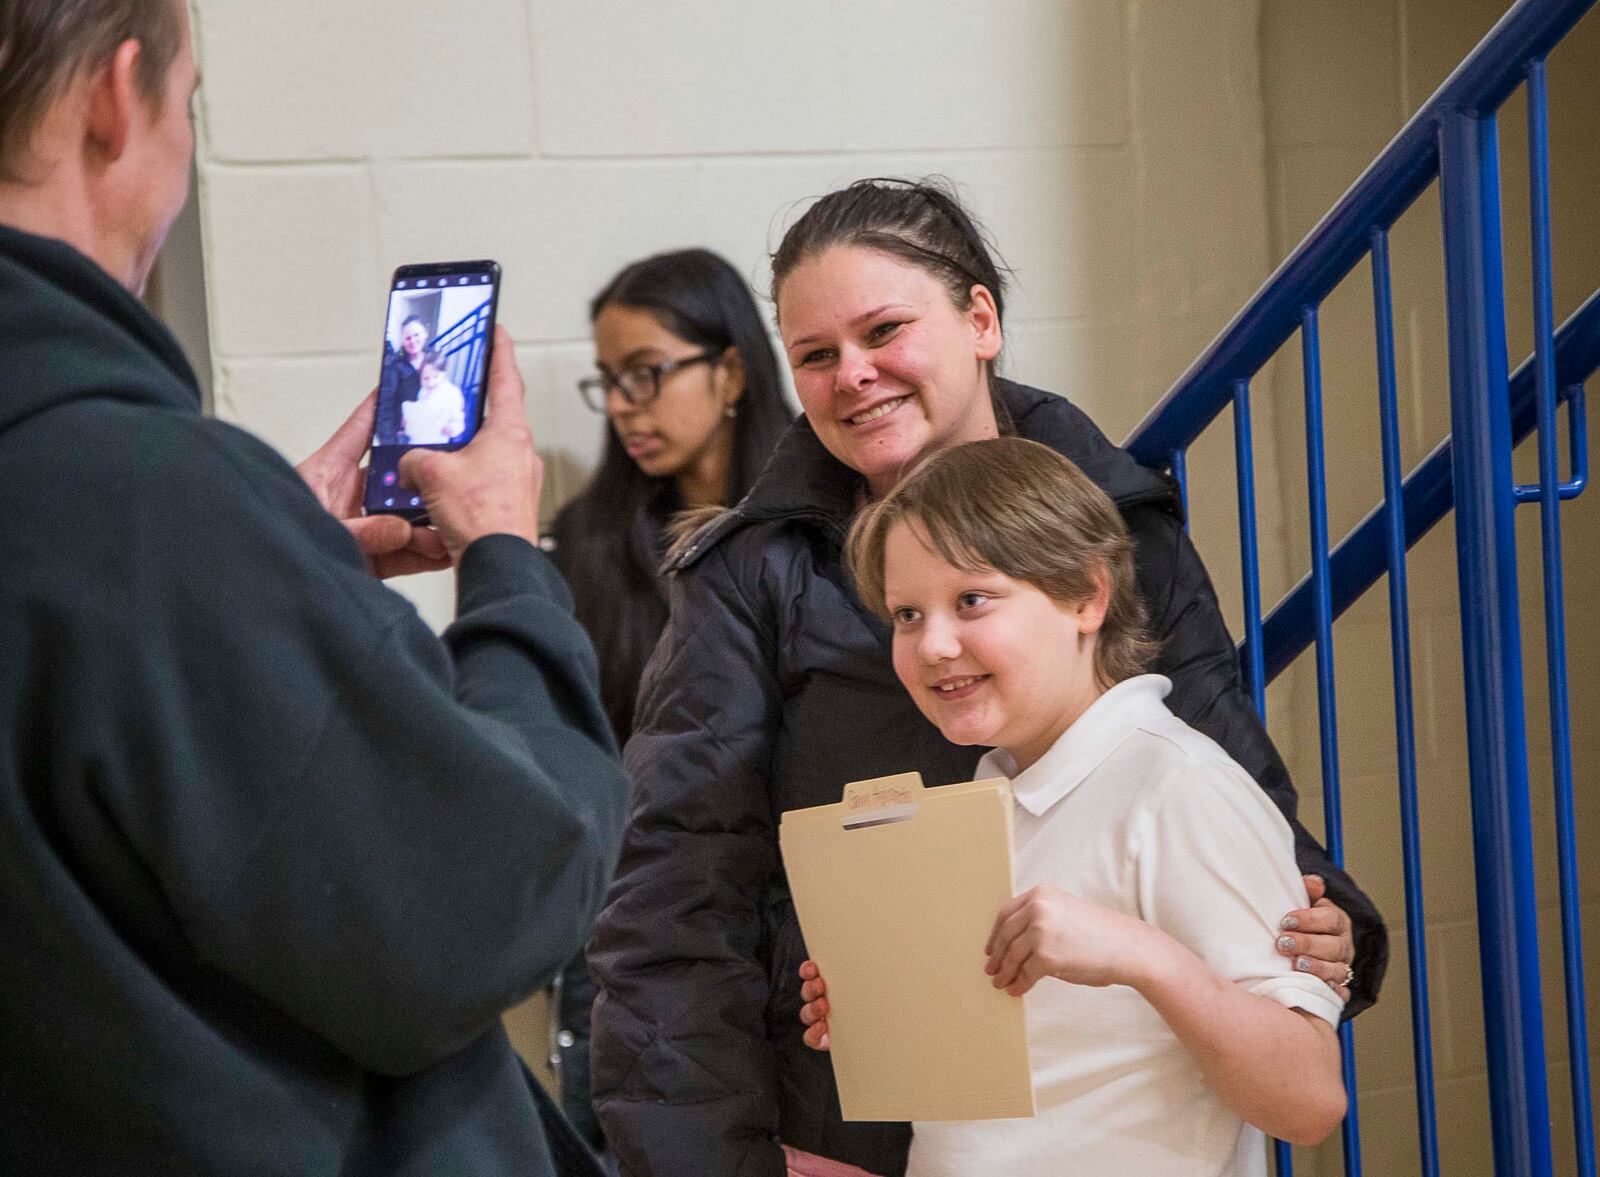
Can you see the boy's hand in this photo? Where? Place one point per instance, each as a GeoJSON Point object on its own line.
{"type": "Point", "coordinates": [814, 1013]}
{"type": "Point", "coordinates": [1050, 933]}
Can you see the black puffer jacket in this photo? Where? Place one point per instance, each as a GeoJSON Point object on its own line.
{"type": "Point", "coordinates": [771, 688]}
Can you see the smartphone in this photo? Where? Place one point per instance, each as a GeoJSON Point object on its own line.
{"type": "Point", "coordinates": [436, 346]}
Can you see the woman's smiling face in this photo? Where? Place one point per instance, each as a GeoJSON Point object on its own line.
{"type": "Point", "coordinates": [413, 338]}
{"type": "Point", "coordinates": [886, 366]}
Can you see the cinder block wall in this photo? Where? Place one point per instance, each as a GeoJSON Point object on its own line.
{"type": "Point", "coordinates": [1339, 81]}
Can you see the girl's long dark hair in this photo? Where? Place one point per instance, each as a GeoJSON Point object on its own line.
{"type": "Point", "coordinates": [609, 552]}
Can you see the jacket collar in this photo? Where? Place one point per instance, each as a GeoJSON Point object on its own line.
{"type": "Point", "coordinates": [802, 478]}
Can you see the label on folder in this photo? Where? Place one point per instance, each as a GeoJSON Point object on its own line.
{"type": "Point", "coordinates": [897, 888]}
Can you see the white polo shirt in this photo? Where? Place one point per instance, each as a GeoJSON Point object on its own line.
{"type": "Point", "coordinates": [1135, 810]}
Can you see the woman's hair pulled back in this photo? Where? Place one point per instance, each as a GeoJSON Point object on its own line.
{"type": "Point", "coordinates": [921, 222]}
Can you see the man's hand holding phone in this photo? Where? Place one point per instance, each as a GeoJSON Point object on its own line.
{"type": "Point", "coordinates": [489, 486]}
{"type": "Point", "coordinates": [392, 545]}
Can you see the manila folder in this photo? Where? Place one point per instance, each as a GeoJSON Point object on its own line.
{"type": "Point", "coordinates": [897, 888]}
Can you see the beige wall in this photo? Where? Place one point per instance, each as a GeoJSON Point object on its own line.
{"type": "Point", "coordinates": [1339, 79]}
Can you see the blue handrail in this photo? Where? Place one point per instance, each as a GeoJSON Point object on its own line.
{"type": "Point", "coordinates": [1453, 139]}
{"type": "Point", "coordinates": [1388, 187]}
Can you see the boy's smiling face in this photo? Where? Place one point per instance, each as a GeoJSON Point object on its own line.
{"type": "Point", "coordinates": [990, 660]}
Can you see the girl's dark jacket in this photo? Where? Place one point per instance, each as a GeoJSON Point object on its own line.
{"type": "Point", "coordinates": [771, 688]}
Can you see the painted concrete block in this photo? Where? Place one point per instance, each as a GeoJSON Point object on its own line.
{"type": "Point", "coordinates": [1196, 76]}
{"type": "Point", "coordinates": [1384, 1057]}
{"type": "Point", "coordinates": [711, 76]}
{"type": "Point", "coordinates": [295, 404]}
{"type": "Point", "coordinates": [960, 74]}
{"type": "Point", "coordinates": [1304, 182]}
{"type": "Point", "coordinates": [567, 432]}
{"type": "Point", "coordinates": [868, 77]}
{"type": "Point", "coordinates": [1064, 222]}
{"type": "Point", "coordinates": [1458, 1024]}
{"type": "Point", "coordinates": [301, 80]}
{"type": "Point", "coordinates": [292, 263]}
{"type": "Point", "coordinates": [1085, 360]}
{"type": "Point", "coordinates": [1389, 1141]}
{"type": "Point", "coordinates": [1342, 65]}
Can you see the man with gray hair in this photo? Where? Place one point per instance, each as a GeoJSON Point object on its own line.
{"type": "Point", "coordinates": [273, 858]}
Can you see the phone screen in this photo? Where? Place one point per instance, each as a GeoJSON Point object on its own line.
{"type": "Point", "coordinates": [430, 381]}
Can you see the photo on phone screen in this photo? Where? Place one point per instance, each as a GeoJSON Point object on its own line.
{"type": "Point", "coordinates": [430, 382]}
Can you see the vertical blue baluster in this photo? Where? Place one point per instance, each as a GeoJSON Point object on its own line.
{"type": "Point", "coordinates": [1404, 719]}
{"type": "Point", "coordinates": [1555, 614]}
{"type": "Point", "coordinates": [1255, 658]}
{"type": "Point", "coordinates": [1491, 645]}
{"type": "Point", "coordinates": [1244, 459]}
{"type": "Point", "coordinates": [1179, 461]}
{"type": "Point", "coordinates": [1327, 709]}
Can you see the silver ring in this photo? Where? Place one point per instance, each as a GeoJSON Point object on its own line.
{"type": "Point", "coordinates": [1349, 976]}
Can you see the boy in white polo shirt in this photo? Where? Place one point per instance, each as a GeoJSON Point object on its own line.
{"type": "Point", "coordinates": [1151, 867]}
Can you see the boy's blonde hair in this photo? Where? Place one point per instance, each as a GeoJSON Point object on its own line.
{"type": "Point", "coordinates": [1022, 509]}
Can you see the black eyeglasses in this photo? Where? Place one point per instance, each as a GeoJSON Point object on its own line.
{"type": "Point", "coordinates": [638, 384]}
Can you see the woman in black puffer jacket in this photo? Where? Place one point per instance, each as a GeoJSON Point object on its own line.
{"type": "Point", "coordinates": [694, 405]}
{"type": "Point", "coordinates": [772, 687]}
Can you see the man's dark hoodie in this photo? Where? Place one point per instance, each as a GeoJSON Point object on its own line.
{"type": "Point", "coordinates": [273, 858]}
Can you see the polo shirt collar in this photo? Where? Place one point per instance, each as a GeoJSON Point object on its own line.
{"type": "Point", "coordinates": [1084, 746]}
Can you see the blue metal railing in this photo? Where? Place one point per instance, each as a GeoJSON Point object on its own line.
{"type": "Point", "coordinates": [1358, 560]}
{"type": "Point", "coordinates": [1405, 729]}
{"type": "Point", "coordinates": [1549, 494]}
{"type": "Point", "coordinates": [1453, 138]}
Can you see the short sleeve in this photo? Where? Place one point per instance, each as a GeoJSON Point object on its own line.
{"type": "Point", "coordinates": [1216, 871]}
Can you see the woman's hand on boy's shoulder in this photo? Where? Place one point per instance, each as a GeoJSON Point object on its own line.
{"type": "Point", "coordinates": [1048, 932]}
{"type": "Point", "coordinates": [814, 1011]}
{"type": "Point", "coordinates": [1320, 939]}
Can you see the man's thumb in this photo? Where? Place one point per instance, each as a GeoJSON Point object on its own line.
{"type": "Point", "coordinates": [378, 535]}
